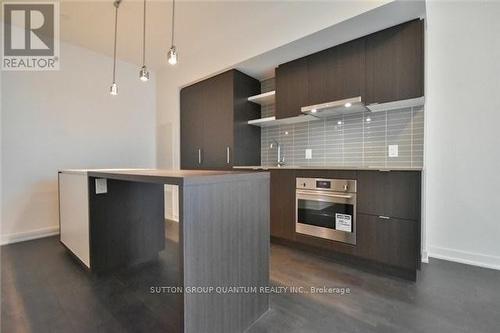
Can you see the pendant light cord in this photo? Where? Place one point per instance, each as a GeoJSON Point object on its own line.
{"type": "Point", "coordinates": [173, 20]}
{"type": "Point", "coordinates": [144, 36]}
{"type": "Point", "coordinates": [117, 4]}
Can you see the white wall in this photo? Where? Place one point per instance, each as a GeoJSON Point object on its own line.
{"type": "Point", "coordinates": [462, 154]}
{"type": "Point", "coordinates": [168, 106]}
{"type": "Point", "coordinates": [67, 119]}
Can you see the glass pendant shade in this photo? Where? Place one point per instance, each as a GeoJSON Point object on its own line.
{"type": "Point", "coordinates": [113, 90]}
{"type": "Point", "coordinates": [172, 56]}
{"type": "Point", "coordinates": [144, 74]}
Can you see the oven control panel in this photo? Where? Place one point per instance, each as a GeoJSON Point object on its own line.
{"type": "Point", "coordinates": [323, 184]}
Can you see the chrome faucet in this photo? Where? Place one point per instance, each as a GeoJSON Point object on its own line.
{"type": "Point", "coordinates": [281, 159]}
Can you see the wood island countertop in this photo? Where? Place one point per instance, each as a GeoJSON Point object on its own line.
{"type": "Point", "coordinates": [168, 176]}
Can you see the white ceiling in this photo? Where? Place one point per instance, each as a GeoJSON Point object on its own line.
{"type": "Point", "coordinates": [202, 28]}
{"type": "Point", "coordinates": [387, 15]}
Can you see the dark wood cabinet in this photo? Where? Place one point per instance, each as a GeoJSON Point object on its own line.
{"type": "Point", "coordinates": [387, 219]}
{"type": "Point", "coordinates": [337, 73]}
{"type": "Point", "coordinates": [385, 66]}
{"type": "Point", "coordinates": [214, 129]}
{"type": "Point", "coordinates": [395, 63]}
{"type": "Point", "coordinates": [246, 144]}
{"type": "Point", "coordinates": [291, 88]}
{"type": "Point", "coordinates": [394, 193]}
{"type": "Point", "coordinates": [283, 204]}
{"type": "Point", "coordinates": [217, 106]}
{"type": "Point", "coordinates": [389, 241]}
{"type": "Point", "coordinates": [192, 129]}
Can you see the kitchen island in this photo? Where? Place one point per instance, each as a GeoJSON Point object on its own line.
{"type": "Point", "coordinates": [111, 219]}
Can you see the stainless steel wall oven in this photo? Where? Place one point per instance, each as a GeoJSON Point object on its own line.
{"type": "Point", "coordinates": [326, 208]}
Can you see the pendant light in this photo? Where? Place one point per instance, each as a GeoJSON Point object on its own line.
{"type": "Point", "coordinates": [172, 53]}
{"type": "Point", "coordinates": [144, 73]}
{"type": "Point", "coordinates": [114, 88]}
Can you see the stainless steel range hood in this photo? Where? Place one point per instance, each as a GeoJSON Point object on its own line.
{"type": "Point", "coordinates": [335, 108]}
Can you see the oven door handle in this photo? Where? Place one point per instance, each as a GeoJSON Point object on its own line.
{"type": "Point", "coordinates": [322, 193]}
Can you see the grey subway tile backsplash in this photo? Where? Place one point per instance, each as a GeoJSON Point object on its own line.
{"type": "Point", "coordinates": [267, 111]}
{"type": "Point", "coordinates": [352, 140]}
{"type": "Point", "coordinates": [267, 85]}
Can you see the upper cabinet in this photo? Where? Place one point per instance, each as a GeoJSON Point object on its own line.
{"type": "Point", "coordinates": [336, 73]}
{"type": "Point", "coordinates": [291, 88]}
{"type": "Point", "coordinates": [217, 118]}
{"type": "Point", "coordinates": [395, 63]}
{"type": "Point", "coordinates": [214, 116]}
{"type": "Point", "coordinates": [385, 66]}
{"type": "Point", "coordinates": [192, 130]}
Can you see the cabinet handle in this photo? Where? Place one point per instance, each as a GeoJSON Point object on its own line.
{"type": "Point", "coordinates": [306, 192]}
{"type": "Point", "coordinates": [227, 155]}
{"type": "Point", "coordinates": [384, 217]}
{"type": "Point", "coordinates": [199, 156]}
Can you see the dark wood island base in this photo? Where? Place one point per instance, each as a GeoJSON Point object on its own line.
{"type": "Point", "coordinates": [223, 237]}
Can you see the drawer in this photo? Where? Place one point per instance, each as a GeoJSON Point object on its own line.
{"type": "Point", "coordinates": [389, 241]}
{"type": "Point", "coordinates": [392, 193]}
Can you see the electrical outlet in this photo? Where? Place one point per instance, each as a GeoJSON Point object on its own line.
{"type": "Point", "coordinates": [309, 154]}
{"type": "Point", "coordinates": [101, 186]}
{"type": "Point", "coordinates": [393, 150]}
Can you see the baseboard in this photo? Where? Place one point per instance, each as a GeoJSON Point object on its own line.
{"type": "Point", "coordinates": [28, 235]}
{"type": "Point", "coordinates": [425, 257]}
{"type": "Point", "coordinates": [464, 257]}
{"type": "Point", "coordinates": [172, 217]}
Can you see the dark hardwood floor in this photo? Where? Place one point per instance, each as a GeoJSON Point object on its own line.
{"type": "Point", "coordinates": [447, 297]}
{"type": "Point", "coordinates": [44, 290]}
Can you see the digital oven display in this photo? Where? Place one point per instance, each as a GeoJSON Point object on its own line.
{"type": "Point", "coordinates": [323, 184]}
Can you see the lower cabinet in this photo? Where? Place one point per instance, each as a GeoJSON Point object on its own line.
{"type": "Point", "coordinates": [387, 240]}
{"type": "Point", "coordinates": [394, 193]}
{"type": "Point", "coordinates": [393, 242]}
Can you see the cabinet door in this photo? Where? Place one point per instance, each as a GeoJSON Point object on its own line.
{"type": "Point", "coordinates": [393, 193]}
{"type": "Point", "coordinates": [389, 241]}
{"type": "Point", "coordinates": [395, 63]}
{"type": "Point", "coordinates": [217, 117]}
{"type": "Point", "coordinates": [291, 88]}
{"type": "Point", "coordinates": [214, 129]}
{"type": "Point", "coordinates": [337, 73]}
{"type": "Point", "coordinates": [191, 126]}
{"type": "Point", "coordinates": [366, 236]}
{"type": "Point", "coordinates": [246, 141]}
{"type": "Point", "coordinates": [283, 204]}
